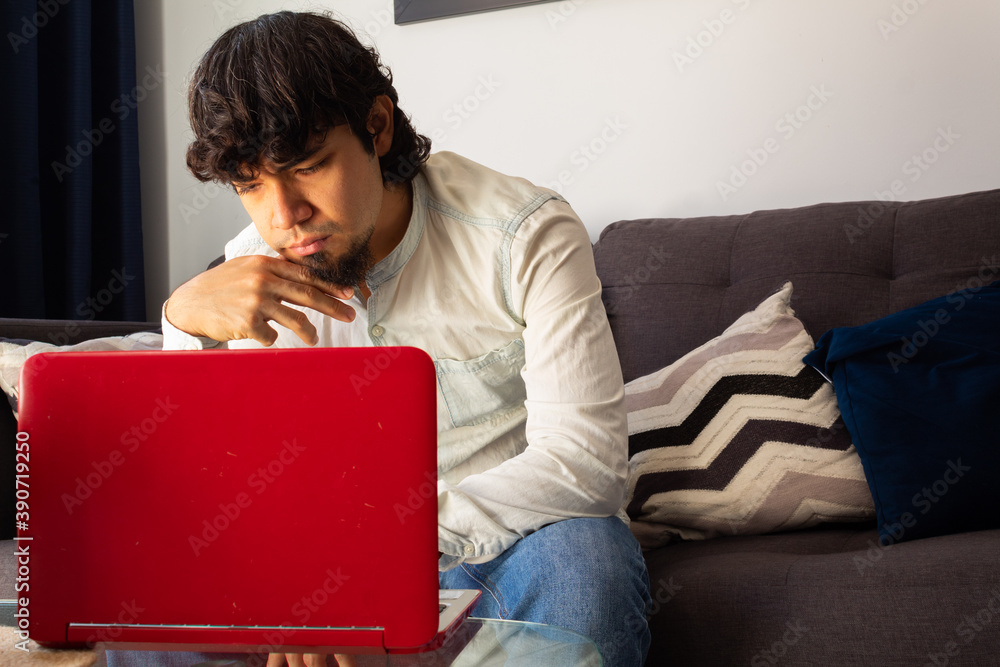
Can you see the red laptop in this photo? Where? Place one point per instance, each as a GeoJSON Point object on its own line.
{"type": "Point", "coordinates": [234, 500]}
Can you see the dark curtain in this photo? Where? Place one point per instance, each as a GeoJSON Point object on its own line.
{"type": "Point", "coordinates": [71, 230]}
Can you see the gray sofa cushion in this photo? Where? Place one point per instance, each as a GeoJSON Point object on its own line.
{"type": "Point", "coordinates": [727, 601]}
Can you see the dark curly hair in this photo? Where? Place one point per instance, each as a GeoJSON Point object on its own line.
{"type": "Point", "coordinates": [266, 86]}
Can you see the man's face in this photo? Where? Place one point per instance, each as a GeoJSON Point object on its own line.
{"type": "Point", "coordinates": [320, 212]}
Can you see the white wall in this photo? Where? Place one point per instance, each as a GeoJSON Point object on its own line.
{"type": "Point", "coordinates": [617, 105]}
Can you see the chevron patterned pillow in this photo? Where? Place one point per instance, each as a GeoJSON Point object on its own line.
{"type": "Point", "coordinates": [740, 437]}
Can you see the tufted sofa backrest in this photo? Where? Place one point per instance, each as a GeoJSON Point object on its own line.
{"type": "Point", "coordinates": [671, 285]}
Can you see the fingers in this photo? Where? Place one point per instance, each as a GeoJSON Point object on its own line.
{"type": "Point", "coordinates": [294, 320]}
{"type": "Point", "coordinates": [238, 298]}
{"type": "Point", "coordinates": [345, 660]}
{"type": "Point", "coordinates": [305, 660]}
{"type": "Point", "coordinates": [313, 297]}
{"type": "Point", "coordinates": [300, 287]}
{"type": "Point", "coordinates": [300, 274]}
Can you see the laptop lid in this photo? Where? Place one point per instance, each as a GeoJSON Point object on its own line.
{"type": "Point", "coordinates": [231, 499]}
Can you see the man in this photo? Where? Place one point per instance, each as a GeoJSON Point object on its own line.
{"type": "Point", "coordinates": [360, 238]}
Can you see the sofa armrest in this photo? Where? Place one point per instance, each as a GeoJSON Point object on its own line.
{"type": "Point", "coordinates": [68, 332]}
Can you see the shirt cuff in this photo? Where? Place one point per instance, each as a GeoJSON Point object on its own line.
{"type": "Point", "coordinates": [175, 339]}
{"type": "Point", "coordinates": [465, 533]}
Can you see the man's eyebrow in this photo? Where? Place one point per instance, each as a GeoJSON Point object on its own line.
{"type": "Point", "coordinates": [291, 164]}
{"type": "Point", "coordinates": [302, 158]}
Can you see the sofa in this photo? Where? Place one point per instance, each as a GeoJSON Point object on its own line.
{"type": "Point", "coordinates": [795, 597]}
{"type": "Point", "coordinates": [830, 594]}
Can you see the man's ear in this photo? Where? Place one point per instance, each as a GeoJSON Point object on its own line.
{"type": "Point", "coordinates": [380, 124]}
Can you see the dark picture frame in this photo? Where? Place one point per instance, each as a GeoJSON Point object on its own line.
{"type": "Point", "coordinates": [411, 11]}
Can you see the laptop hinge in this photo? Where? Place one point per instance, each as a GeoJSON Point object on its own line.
{"type": "Point", "coordinates": [214, 637]}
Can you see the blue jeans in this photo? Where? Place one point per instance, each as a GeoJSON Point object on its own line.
{"type": "Point", "coordinates": [586, 575]}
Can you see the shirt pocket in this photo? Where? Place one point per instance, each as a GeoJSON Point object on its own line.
{"type": "Point", "coordinates": [478, 390]}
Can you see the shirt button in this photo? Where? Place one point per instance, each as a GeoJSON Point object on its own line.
{"type": "Point", "coordinates": [378, 330]}
{"type": "Point", "coordinates": [469, 549]}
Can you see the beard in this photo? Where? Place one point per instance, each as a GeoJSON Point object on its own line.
{"type": "Point", "coordinates": [348, 270]}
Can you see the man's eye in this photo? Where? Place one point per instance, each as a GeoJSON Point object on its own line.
{"type": "Point", "coordinates": [313, 168]}
{"type": "Point", "coordinates": [244, 189]}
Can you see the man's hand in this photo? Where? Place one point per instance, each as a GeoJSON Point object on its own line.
{"type": "Point", "coordinates": [306, 660]}
{"type": "Point", "coordinates": [238, 298]}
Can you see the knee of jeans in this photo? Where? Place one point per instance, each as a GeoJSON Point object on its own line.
{"type": "Point", "coordinates": [606, 549]}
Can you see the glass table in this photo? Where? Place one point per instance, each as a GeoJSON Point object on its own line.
{"type": "Point", "coordinates": [477, 643]}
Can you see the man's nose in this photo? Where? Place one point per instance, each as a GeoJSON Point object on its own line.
{"type": "Point", "coordinates": [288, 207]}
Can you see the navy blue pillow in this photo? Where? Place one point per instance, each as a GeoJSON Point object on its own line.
{"type": "Point", "coordinates": [920, 394]}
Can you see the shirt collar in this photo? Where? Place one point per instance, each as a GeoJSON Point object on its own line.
{"type": "Point", "coordinates": [394, 262]}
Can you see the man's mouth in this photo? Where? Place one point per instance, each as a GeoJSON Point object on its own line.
{"type": "Point", "coordinates": [308, 246]}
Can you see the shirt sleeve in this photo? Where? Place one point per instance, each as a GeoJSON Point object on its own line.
{"type": "Point", "coordinates": [247, 242]}
{"type": "Point", "coordinates": [175, 339]}
{"type": "Point", "coordinates": [575, 463]}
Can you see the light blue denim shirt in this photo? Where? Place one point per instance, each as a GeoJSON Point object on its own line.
{"type": "Point", "coordinates": [494, 278]}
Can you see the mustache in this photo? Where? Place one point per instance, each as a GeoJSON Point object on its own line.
{"type": "Point", "coordinates": [323, 229]}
